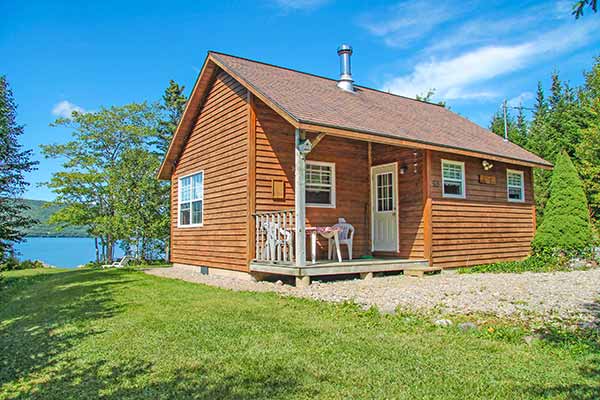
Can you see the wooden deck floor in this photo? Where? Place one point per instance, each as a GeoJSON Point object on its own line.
{"type": "Point", "coordinates": [327, 267]}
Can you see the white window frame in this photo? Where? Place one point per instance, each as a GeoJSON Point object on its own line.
{"type": "Point", "coordinates": [522, 187]}
{"type": "Point", "coordinates": [332, 167]}
{"type": "Point", "coordinates": [179, 179]}
{"type": "Point", "coordinates": [463, 180]}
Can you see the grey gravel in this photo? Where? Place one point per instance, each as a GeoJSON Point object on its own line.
{"type": "Point", "coordinates": [568, 296]}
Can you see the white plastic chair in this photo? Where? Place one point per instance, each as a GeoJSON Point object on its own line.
{"type": "Point", "coordinates": [345, 236]}
{"type": "Point", "coordinates": [276, 238]}
{"type": "Point", "coordinates": [118, 264]}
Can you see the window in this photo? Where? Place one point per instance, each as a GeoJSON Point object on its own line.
{"type": "Point", "coordinates": [191, 199]}
{"type": "Point", "coordinates": [320, 184]}
{"type": "Point", "coordinates": [385, 192]}
{"type": "Point", "coordinates": [453, 179]}
{"type": "Point", "coordinates": [515, 185]}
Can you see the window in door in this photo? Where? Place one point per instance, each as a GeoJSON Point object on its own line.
{"type": "Point", "coordinates": [385, 193]}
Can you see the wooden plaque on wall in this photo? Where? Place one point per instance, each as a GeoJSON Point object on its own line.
{"type": "Point", "coordinates": [487, 179]}
{"type": "Point", "coordinates": [278, 189]}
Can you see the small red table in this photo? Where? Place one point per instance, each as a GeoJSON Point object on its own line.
{"type": "Point", "coordinates": [327, 232]}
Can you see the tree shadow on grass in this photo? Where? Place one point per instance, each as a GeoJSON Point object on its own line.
{"type": "Point", "coordinates": [137, 380]}
{"type": "Point", "coordinates": [587, 341]}
{"type": "Point", "coordinates": [47, 315]}
{"type": "Point", "coordinates": [43, 320]}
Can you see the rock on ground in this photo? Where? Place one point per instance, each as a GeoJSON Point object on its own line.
{"type": "Point", "coordinates": [573, 295]}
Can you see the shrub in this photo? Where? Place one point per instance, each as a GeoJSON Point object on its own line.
{"type": "Point", "coordinates": [543, 262]}
{"type": "Point", "coordinates": [13, 264]}
{"type": "Point", "coordinates": [566, 225]}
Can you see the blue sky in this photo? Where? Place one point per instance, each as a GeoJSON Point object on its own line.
{"type": "Point", "coordinates": [65, 55]}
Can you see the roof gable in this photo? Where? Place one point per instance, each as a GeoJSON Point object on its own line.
{"type": "Point", "coordinates": [305, 99]}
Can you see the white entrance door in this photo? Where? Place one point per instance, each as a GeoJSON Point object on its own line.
{"type": "Point", "coordinates": [384, 230]}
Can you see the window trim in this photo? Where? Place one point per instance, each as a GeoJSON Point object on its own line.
{"type": "Point", "coordinates": [332, 203]}
{"type": "Point", "coordinates": [179, 179]}
{"type": "Point", "coordinates": [463, 180]}
{"type": "Point", "coordinates": [522, 173]}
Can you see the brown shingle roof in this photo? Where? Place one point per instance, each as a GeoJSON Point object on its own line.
{"type": "Point", "coordinates": [316, 100]}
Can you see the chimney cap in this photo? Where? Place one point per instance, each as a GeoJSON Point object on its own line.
{"type": "Point", "coordinates": [345, 82]}
{"type": "Point", "coordinates": [344, 48]}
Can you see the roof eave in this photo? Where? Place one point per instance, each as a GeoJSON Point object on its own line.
{"type": "Point", "coordinates": [386, 138]}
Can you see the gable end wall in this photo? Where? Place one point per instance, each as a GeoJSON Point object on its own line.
{"type": "Point", "coordinates": [218, 146]}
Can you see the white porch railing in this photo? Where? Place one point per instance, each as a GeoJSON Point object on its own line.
{"type": "Point", "coordinates": [275, 236]}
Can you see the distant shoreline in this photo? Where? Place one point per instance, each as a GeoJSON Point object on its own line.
{"type": "Point", "coordinates": [58, 236]}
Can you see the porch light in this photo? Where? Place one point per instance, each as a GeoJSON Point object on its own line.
{"type": "Point", "coordinates": [487, 165]}
{"type": "Point", "coordinates": [403, 169]}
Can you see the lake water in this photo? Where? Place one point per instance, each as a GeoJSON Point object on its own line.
{"type": "Point", "coordinates": [60, 252]}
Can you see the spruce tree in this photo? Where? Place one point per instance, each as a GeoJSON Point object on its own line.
{"type": "Point", "coordinates": [588, 150]}
{"type": "Point", "coordinates": [515, 132]}
{"type": "Point", "coordinates": [566, 225]}
{"type": "Point", "coordinates": [172, 107]}
{"type": "Point", "coordinates": [522, 126]}
{"type": "Point", "coordinates": [14, 163]}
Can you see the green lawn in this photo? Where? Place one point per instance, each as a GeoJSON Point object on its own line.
{"type": "Point", "coordinates": [111, 334]}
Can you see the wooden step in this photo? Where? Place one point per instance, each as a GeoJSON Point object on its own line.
{"type": "Point", "coordinates": [419, 272]}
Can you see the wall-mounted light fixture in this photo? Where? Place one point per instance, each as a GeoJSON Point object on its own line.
{"type": "Point", "coordinates": [403, 169]}
{"type": "Point", "coordinates": [487, 165]}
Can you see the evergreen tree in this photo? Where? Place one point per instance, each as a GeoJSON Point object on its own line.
{"type": "Point", "coordinates": [522, 126]}
{"type": "Point", "coordinates": [172, 107]}
{"type": "Point", "coordinates": [516, 134]}
{"type": "Point", "coordinates": [588, 151]}
{"type": "Point", "coordinates": [556, 127]}
{"type": "Point", "coordinates": [566, 225]}
{"type": "Point", "coordinates": [14, 163]}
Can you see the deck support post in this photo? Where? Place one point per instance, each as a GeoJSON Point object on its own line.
{"type": "Point", "coordinates": [302, 281]}
{"type": "Point", "coordinates": [366, 275]}
{"type": "Point", "coordinates": [300, 198]}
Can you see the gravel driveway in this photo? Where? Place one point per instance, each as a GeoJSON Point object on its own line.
{"type": "Point", "coordinates": [529, 296]}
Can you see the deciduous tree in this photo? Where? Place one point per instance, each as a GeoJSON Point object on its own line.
{"type": "Point", "coordinates": [99, 141]}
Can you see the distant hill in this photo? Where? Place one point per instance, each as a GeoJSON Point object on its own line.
{"type": "Point", "coordinates": [40, 211]}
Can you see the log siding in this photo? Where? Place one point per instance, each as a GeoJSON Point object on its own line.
{"type": "Point", "coordinates": [218, 145]}
{"type": "Point", "coordinates": [275, 160]}
{"type": "Point", "coordinates": [410, 207]}
{"type": "Point", "coordinates": [243, 146]}
{"type": "Point", "coordinates": [484, 227]}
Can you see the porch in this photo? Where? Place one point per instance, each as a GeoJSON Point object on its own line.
{"type": "Point", "coordinates": [365, 267]}
{"type": "Point", "coordinates": [277, 253]}
{"type": "Point", "coordinates": [308, 182]}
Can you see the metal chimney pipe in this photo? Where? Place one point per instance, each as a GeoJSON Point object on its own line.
{"type": "Point", "coordinates": [345, 82]}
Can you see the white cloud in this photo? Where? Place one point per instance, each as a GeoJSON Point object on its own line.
{"type": "Point", "coordinates": [480, 32]}
{"type": "Point", "coordinates": [520, 99]}
{"type": "Point", "coordinates": [65, 109]}
{"type": "Point", "coordinates": [290, 5]}
{"type": "Point", "coordinates": [460, 77]}
{"type": "Point", "coordinates": [402, 24]}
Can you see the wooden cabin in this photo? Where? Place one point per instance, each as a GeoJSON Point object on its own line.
{"type": "Point", "coordinates": [421, 185]}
